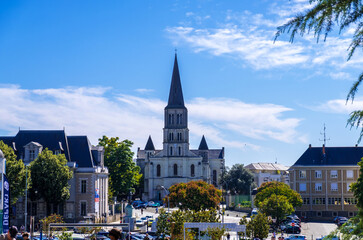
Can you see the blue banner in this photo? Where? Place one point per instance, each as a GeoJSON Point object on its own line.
{"type": "Point", "coordinates": [6, 203]}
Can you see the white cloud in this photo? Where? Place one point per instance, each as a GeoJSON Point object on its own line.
{"type": "Point", "coordinates": [341, 76]}
{"type": "Point", "coordinates": [340, 106]}
{"type": "Point", "coordinates": [249, 37]}
{"type": "Point", "coordinates": [143, 90]}
{"type": "Point", "coordinates": [92, 112]}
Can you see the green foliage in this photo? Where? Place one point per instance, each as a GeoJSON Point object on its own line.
{"type": "Point", "coordinates": [321, 19]}
{"type": "Point", "coordinates": [258, 227]}
{"type": "Point", "coordinates": [163, 225]}
{"type": "Point", "coordinates": [65, 236]}
{"type": "Point", "coordinates": [49, 177]}
{"type": "Point", "coordinates": [124, 174]}
{"type": "Point", "coordinates": [216, 233]}
{"type": "Point", "coordinates": [238, 180]}
{"type": "Point", "coordinates": [15, 171]}
{"type": "Point", "coordinates": [194, 195]}
{"type": "Point", "coordinates": [357, 189]}
{"type": "Point", "coordinates": [54, 218]}
{"type": "Point", "coordinates": [245, 204]}
{"type": "Point", "coordinates": [267, 189]}
{"type": "Point", "coordinates": [276, 206]}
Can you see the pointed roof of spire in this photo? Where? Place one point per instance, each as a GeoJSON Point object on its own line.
{"type": "Point", "coordinates": [150, 145]}
{"type": "Point", "coordinates": [176, 99]}
{"type": "Point", "coordinates": [203, 144]}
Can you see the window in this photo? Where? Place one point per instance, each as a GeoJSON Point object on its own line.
{"type": "Point", "coordinates": [318, 201]}
{"type": "Point", "coordinates": [192, 170]}
{"type": "Point", "coordinates": [179, 136]}
{"type": "Point", "coordinates": [349, 173]}
{"type": "Point", "coordinates": [175, 170]}
{"type": "Point", "coordinates": [179, 151]}
{"type": "Point", "coordinates": [57, 152]}
{"type": "Point", "coordinates": [83, 208]}
{"type": "Point", "coordinates": [158, 170]}
{"type": "Point", "coordinates": [350, 201]}
{"type": "Point", "coordinates": [171, 151]}
{"type": "Point", "coordinates": [334, 187]}
{"type": "Point", "coordinates": [181, 119]}
{"type": "Point", "coordinates": [31, 155]}
{"type": "Point", "coordinates": [348, 187]}
{"type": "Point", "coordinates": [83, 186]}
{"type": "Point", "coordinates": [171, 136]}
{"type": "Point", "coordinates": [306, 201]}
{"type": "Point", "coordinates": [318, 174]}
{"type": "Point", "coordinates": [334, 201]}
{"type": "Point", "coordinates": [334, 174]}
{"type": "Point", "coordinates": [302, 187]}
{"type": "Point", "coordinates": [169, 119]}
{"type": "Point", "coordinates": [318, 187]}
{"type": "Point", "coordinates": [215, 177]}
{"type": "Point", "coordinates": [172, 118]}
{"type": "Point", "coordinates": [177, 118]}
{"type": "Point", "coordinates": [302, 174]}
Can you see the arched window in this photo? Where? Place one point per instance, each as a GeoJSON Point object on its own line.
{"type": "Point", "coordinates": [192, 170]}
{"type": "Point", "coordinates": [171, 136]}
{"type": "Point", "coordinates": [158, 170]}
{"type": "Point", "coordinates": [179, 136]}
{"type": "Point", "coordinates": [169, 120]}
{"type": "Point", "coordinates": [171, 151]}
{"type": "Point", "coordinates": [180, 151]}
{"type": "Point", "coordinates": [172, 118]}
{"type": "Point", "coordinates": [175, 170]}
{"type": "Point", "coordinates": [180, 119]}
{"type": "Point", "coordinates": [215, 178]}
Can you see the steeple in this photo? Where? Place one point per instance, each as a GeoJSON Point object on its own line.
{"type": "Point", "coordinates": [150, 145]}
{"type": "Point", "coordinates": [176, 99]}
{"type": "Point", "coordinates": [203, 144]}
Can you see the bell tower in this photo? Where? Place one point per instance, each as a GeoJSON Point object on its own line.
{"type": "Point", "coordinates": [176, 132]}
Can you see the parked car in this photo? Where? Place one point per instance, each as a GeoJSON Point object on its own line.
{"type": "Point", "coordinates": [342, 220]}
{"type": "Point", "coordinates": [153, 204]}
{"type": "Point", "coordinates": [141, 205]}
{"type": "Point", "coordinates": [292, 229]}
{"type": "Point", "coordinates": [296, 237]}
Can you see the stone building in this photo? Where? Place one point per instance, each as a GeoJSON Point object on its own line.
{"type": "Point", "coordinates": [176, 162]}
{"type": "Point", "coordinates": [88, 187]}
{"type": "Point", "coordinates": [322, 176]}
{"type": "Point", "coordinates": [267, 172]}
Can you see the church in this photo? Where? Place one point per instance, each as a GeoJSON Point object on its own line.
{"type": "Point", "coordinates": [176, 162]}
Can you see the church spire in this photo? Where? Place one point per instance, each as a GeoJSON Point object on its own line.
{"type": "Point", "coordinates": [150, 145]}
{"type": "Point", "coordinates": [176, 99]}
{"type": "Point", "coordinates": [203, 144]}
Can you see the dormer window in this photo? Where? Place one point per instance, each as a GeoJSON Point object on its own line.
{"type": "Point", "coordinates": [57, 152]}
{"type": "Point", "coordinates": [32, 150]}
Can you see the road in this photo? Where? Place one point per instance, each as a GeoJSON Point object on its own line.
{"type": "Point", "coordinates": [311, 230]}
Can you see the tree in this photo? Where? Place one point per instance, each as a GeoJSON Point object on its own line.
{"type": "Point", "coordinates": [124, 173]}
{"type": "Point", "coordinates": [163, 224]}
{"type": "Point", "coordinates": [54, 218]}
{"type": "Point", "coordinates": [321, 19]}
{"type": "Point", "coordinates": [238, 180]}
{"type": "Point", "coordinates": [276, 206]}
{"type": "Point", "coordinates": [216, 233]}
{"type": "Point", "coordinates": [194, 195]}
{"type": "Point", "coordinates": [258, 227]}
{"type": "Point", "coordinates": [49, 177]}
{"type": "Point", "coordinates": [15, 172]}
{"type": "Point", "coordinates": [268, 189]}
{"type": "Point", "coordinates": [357, 189]}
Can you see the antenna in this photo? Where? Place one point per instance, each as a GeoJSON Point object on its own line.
{"type": "Point", "coordinates": [324, 134]}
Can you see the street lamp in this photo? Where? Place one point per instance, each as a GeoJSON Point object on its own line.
{"type": "Point", "coordinates": [167, 192]}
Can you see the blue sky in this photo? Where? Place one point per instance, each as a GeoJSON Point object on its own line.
{"type": "Point", "coordinates": [104, 68]}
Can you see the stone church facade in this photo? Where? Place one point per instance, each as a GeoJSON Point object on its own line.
{"type": "Point", "coordinates": [176, 162]}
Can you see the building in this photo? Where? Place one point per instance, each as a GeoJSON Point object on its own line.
{"type": "Point", "coordinates": [176, 162]}
{"type": "Point", "coordinates": [322, 176]}
{"type": "Point", "coordinates": [88, 187]}
{"type": "Point", "coordinates": [267, 172]}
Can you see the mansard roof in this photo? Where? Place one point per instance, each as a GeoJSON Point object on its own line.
{"type": "Point", "coordinates": [343, 156]}
{"type": "Point", "coordinates": [75, 148]}
{"type": "Point", "coordinates": [176, 99]}
{"type": "Point", "coordinates": [150, 145]}
{"type": "Point", "coordinates": [203, 144]}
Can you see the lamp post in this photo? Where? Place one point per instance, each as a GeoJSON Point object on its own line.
{"type": "Point", "coordinates": [167, 192]}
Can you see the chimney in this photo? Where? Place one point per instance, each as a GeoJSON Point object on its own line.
{"type": "Point", "coordinates": [356, 145]}
{"type": "Point", "coordinates": [309, 145]}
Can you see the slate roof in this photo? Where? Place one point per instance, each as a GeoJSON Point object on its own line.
{"type": "Point", "coordinates": [203, 144]}
{"type": "Point", "coordinates": [334, 156]}
{"type": "Point", "coordinates": [176, 99]}
{"type": "Point", "coordinates": [150, 145]}
{"type": "Point", "coordinates": [75, 148]}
